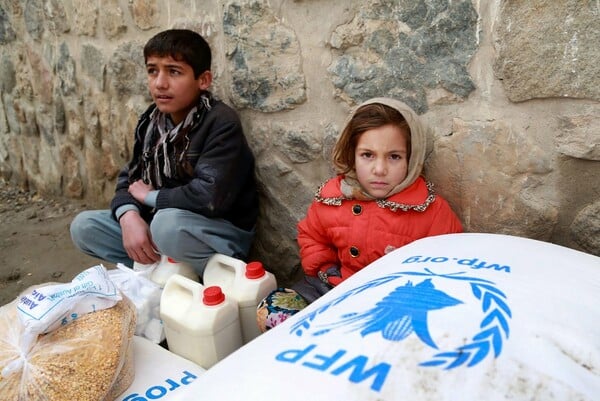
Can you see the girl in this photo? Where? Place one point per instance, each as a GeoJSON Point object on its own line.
{"type": "Point", "coordinates": [378, 201]}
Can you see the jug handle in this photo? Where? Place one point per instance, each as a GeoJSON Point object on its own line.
{"type": "Point", "coordinates": [195, 288]}
{"type": "Point", "coordinates": [228, 262]}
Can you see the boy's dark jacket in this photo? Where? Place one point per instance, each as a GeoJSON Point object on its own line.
{"type": "Point", "coordinates": [221, 184]}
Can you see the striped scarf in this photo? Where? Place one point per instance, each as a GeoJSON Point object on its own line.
{"type": "Point", "coordinates": [160, 153]}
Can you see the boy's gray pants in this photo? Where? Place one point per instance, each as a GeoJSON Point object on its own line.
{"type": "Point", "coordinates": [183, 235]}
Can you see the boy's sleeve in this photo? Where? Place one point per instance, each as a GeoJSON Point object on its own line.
{"type": "Point", "coordinates": [317, 252]}
{"type": "Point", "coordinates": [122, 197]}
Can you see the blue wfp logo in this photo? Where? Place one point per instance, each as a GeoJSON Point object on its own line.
{"type": "Point", "coordinates": [405, 311]}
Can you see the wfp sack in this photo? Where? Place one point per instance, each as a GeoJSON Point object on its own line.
{"type": "Point", "coordinates": [453, 317]}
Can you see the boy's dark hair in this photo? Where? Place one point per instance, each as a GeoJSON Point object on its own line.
{"type": "Point", "coordinates": [182, 45]}
{"type": "Point", "coordinates": [366, 117]}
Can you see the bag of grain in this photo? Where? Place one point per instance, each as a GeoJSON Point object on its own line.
{"type": "Point", "coordinates": [88, 355]}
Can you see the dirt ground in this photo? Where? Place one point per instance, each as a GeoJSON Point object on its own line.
{"type": "Point", "coordinates": [35, 244]}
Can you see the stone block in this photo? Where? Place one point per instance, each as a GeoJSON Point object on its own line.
{"type": "Point", "coordinates": [548, 48]}
{"type": "Point", "coordinates": [493, 175]}
{"type": "Point", "coordinates": [404, 49]}
{"type": "Point", "coordinates": [585, 229]}
{"type": "Point", "coordinates": [265, 67]}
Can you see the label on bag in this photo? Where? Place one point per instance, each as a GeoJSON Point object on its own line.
{"type": "Point", "coordinates": [49, 307]}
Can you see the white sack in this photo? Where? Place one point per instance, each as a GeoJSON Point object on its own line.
{"type": "Point", "coordinates": [454, 317]}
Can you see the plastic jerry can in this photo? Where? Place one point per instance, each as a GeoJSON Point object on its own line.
{"type": "Point", "coordinates": [201, 323]}
{"type": "Point", "coordinates": [248, 284]}
{"type": "Point", "coordinates": [139, 267]}
{"type": "Point", "coordinates": [168, 267]}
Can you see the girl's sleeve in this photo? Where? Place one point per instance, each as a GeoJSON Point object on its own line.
{"type": "Point", "coordinates": [317, 252]}
{"type": "Point", "coordinates": [445, 220]}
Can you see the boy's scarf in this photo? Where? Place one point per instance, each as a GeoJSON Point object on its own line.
{"type": "Point", "coordinates": [159, 134]}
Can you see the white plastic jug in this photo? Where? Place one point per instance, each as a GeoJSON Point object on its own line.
{"type": "Point", "coordinates": [248, 284]}
{"type": "Point", "coordinates": [201, 323]}
{"type": "Point", "coordinates": [168, 267]}
{"type": "Point", "coordinates": [140, 267]}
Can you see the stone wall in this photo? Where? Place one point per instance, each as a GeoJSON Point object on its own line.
{"type": "Point", "coordinates": [509, 88]}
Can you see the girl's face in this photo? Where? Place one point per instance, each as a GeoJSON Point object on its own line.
{"type": "Point", "coordinates": [381, 159]}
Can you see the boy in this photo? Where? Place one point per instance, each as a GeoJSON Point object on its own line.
{"type": "Point", "coordinates": [189, 190]}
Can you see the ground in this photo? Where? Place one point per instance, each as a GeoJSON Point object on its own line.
{"type": "Point", "coordinates": [35, 244]}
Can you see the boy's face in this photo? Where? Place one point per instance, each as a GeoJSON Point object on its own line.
{"type": "Point", "coordinates": [173, 86]}
{"type": "Point", "coordinates": [381, 161]}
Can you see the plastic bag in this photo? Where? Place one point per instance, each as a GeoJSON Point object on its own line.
{"type": "Point", "coordinates": [90, 357]}
{"type": "Point", "coordinates": [145, 295]}
{"type": "Point", "coordinates": [46, 308]}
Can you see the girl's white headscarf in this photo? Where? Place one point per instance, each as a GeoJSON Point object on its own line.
{"type": "Point", "coordinates": [418, 141]}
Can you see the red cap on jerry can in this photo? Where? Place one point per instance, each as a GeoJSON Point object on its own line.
{"type": "Point", "coordinates": [255, 270]}
{"type": "Point", "coordinates": [213, 295]}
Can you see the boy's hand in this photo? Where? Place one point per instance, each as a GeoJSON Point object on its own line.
{"type": "Point", "coordinates": [136, 238]}
{"type": "Point", "coordinates": [139, 190]}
